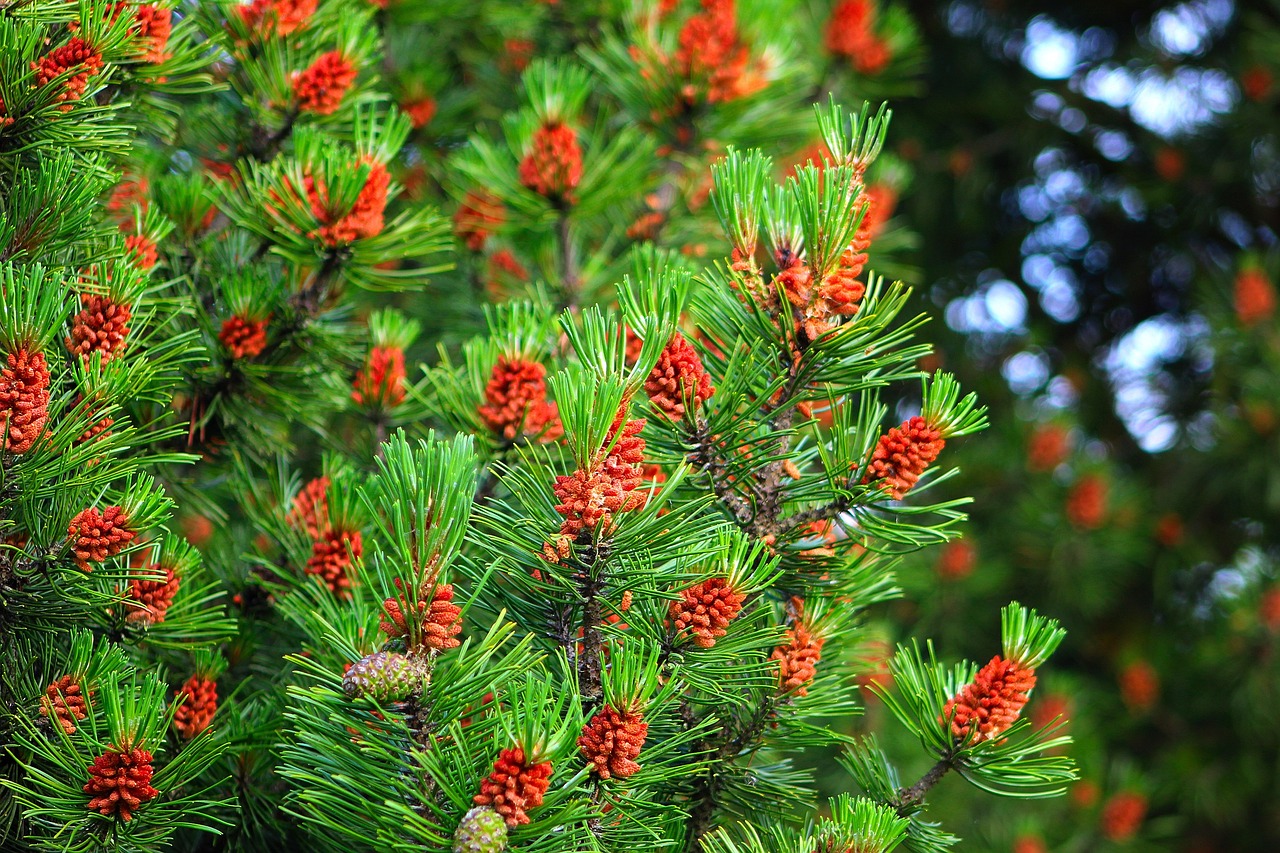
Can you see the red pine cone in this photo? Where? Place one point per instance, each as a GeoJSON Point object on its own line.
{"type": "Point", "coordinates": [956, 560]}
{"type": "Point", "coordinates": [311, 508]}
{"type": "Point", "coordinates": [1256, 82]}
{"type": "Point", "coordinates": [76, 55]}
{"type": "Point", "coordinates": [1087, 502]}
{"type": "Point", "coordinates": [139, 249]}
{"type": "Point", "coordinates": [612, 741]}
{"type": "Point", "coordinates": [851, 34]}
{"type": "Point", "coordinates": [5, 120]}
{"type": "Point", "coordinates": [198, 702]}
{"type": "Point", "coordinates": [381, 383]}
{"type": "Point", "coordinates": [476, 218]}
{"type": "Point", "coordinates": [711, 53]}
{"type": "Point", "coordinates": [321, 87]}
{"type": "Point", "coordinates": [590, 499]}
{"type": "Point", "coordinates": [65, 700]}
{"type": "Point", "coordinates": [439, 620]}
{"type": "Point", "coordinates": [120, 782]}
{"type": "Point", "coordinates": [1123, 815]}
{"type": "Point", "coordinates": [502, 272]}
{"type": "Point", "coordinates": [155, 597]}
{"type": "Point", "coordinates": [516, 399]}
{"type": "Point", "coordinates": [902, 455]}
{"type": "Point", "coordinates": [420, 111]}
{"type": "Point", "coordinates": [514, 786]}
{"type": "Point", "coordinates": [1047, 447]}
{"type": "Point", "coordinates": [97, 536]}
{"type": "Point", "coordinates": [553, 165]}
{"type": "Point", "coordinates": [1255, 297]}
{"type": "Point", "coordinates": [101, 326]}
{"type": "Point", "coordinates": [705, 610]}
{"type": "Point", "coordinates": [365, 217]}
{"type": "Point", "coordinates": [244, 338]}
{"type": "Point", "coordinates": [1139, 686]}
{"type": "Point", "coordinates": [678, 376]}
{"type": "Point", "coordinates": [280, 17]}
{"type": "Point", "coordinates": [331, 555]}
{"type": "Point", "coordinates": [992, 702]}
{"type": "Point", "coordinates": [798, 659]}
{"type": "Point", "coordinates": [152, 26]}
{"type": "Point", "coordinates": [24, 400]}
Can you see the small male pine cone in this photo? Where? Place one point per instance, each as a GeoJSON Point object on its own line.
{"type": "Point", "coordinates": [384, 676]}
{"type": "Point", "coordinates": [482, 830]}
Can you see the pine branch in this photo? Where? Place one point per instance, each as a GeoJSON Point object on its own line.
{"type": "Point", "coordinates": [825, 512]}
{"type": "Point", "coordinates": [910, 798]}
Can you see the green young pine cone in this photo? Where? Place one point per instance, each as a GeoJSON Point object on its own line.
{"type": "Point", "coordinates": [385, 676]}
{"type": "Point", "coordinates": [482, 830]}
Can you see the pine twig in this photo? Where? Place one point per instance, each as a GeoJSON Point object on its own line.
{"type": "Point", "coordinates": [910, 798]}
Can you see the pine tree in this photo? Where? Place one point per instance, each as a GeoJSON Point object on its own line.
{"type": "Point", "coordinates": [614, 606]}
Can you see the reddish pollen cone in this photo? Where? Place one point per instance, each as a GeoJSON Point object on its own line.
{"type": "Point", "coordinates": [705, 610]}
{"type": "Point", "coordinates": [152, 598]}
{"type": "Point", "coordinates": [798, 659]}
{"type": "Point", "coordinates": [331, 556]}
{"type": "Point", "coordinates": [991, 703]}
{"type": "Point", "coordinates": [553, 165]}
{"type": "Point", "coordinates": [120, 782]}
{"type": "Point", "coordinates": [381, 383]}
{"type": "Point", "coordinates": [320, 88]}
{"type": "Point", "coordinates": [678, 378]}
{"type": "Point", "coordinates": [1255, 297]}
{"type": "Point", "coordinates": [65, 701]}
{"type": "Point", "coordinates": [101, 326]}
{"type": "Point", "coordinates": [612, 741]}
{"type": "Point", "coordinates": [243, 337]}
{"type": "Point", "coordinates": [902, 455]}
{"type": "Point", "coordinates": [97, 536]}
{"type": "Point", "coordinates": [24, 400]}
{"type": "Point", "coordinates": [516, 399]}
{"type": "Point", "coordinates": [1087, 502]}
{"type": "Point", "coordinates": [198, 702]}
{"type": "Point", "coordinates": [77, 56]}
{"type": "Point", "coordinates": [514, 786]}
{"type": "Point", "coordinates": [1122, 815]}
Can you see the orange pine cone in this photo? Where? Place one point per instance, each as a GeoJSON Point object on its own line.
{"type": "Point", "coordinates": [516, 399]}
{"type": "Point", "coordinates": [1123, 815]}
{"type": "Point", "coordinates": [1087, 502]}
{"type": "Point", "coordinates": [902, 455]}
{"type": "Point", "coordinates": [197, 703]}
{"type": "Point", "coordinates": [381, 383]}
{"type": "Point", "coordinates": [798, 659]}
{"type": "Point", "coordinates": [705, 610]}
{"type": "Point", "coordinates": [553, 165]}
{"type": "Point", "coordinates": [991, 703]}
{"type": "Point", "coordinates": [280, 17]}
{"type": "Point", "coordinates": [155, 597]}
{"type": "Point", "coordinates": [65, 700]}
{"type": "Point", "coordinates": [152, 27]}
{"type": "Point", "coordinates": [101, 326]}
{"type": "Point", "coordinates": [1047, 447]}
{"type": "Point", "coordinates": [140, 249]}
{"type": "Point", "coordinates": [244, 338]}
{"type": "Point", "coordinates": [120, 782]}
{"type": "Point", "coordinates": [24, 400]}
{"type": "Point", "coordinates": [476, 218]}
{"type": "Point", "coordinates": [612, 741]}
{"type": "Point", "coordinates": [364, 219]}
{"type": "Point", "coordinates": [96, 536]}
{"type": "Point", "coordinates": [76, 55]}
{"type": "Point", "coordinates": [439, 620]}
{"type": "Point", "coordinates": [677, 376]}
{"type": "Point", "coordinates": [321, 88]}
{"type": "Point", "coordinates": [514, 787]}
{"type": "Point", "coordinates": [331, 556]}
{"type": "Point", "coordinates": [420, 111]}
{"type": "Point", "coordinates": [711, 55]}
{"type": "Point", "coordinates": [311, 508]}
{"type": "Point", "coordinates": [1255, 297]}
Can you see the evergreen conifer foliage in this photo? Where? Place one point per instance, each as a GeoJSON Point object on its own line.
{"type": "Point", "coordinates": [100, 603]}
{"type": "Point", "coordinates": [653, 600]}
